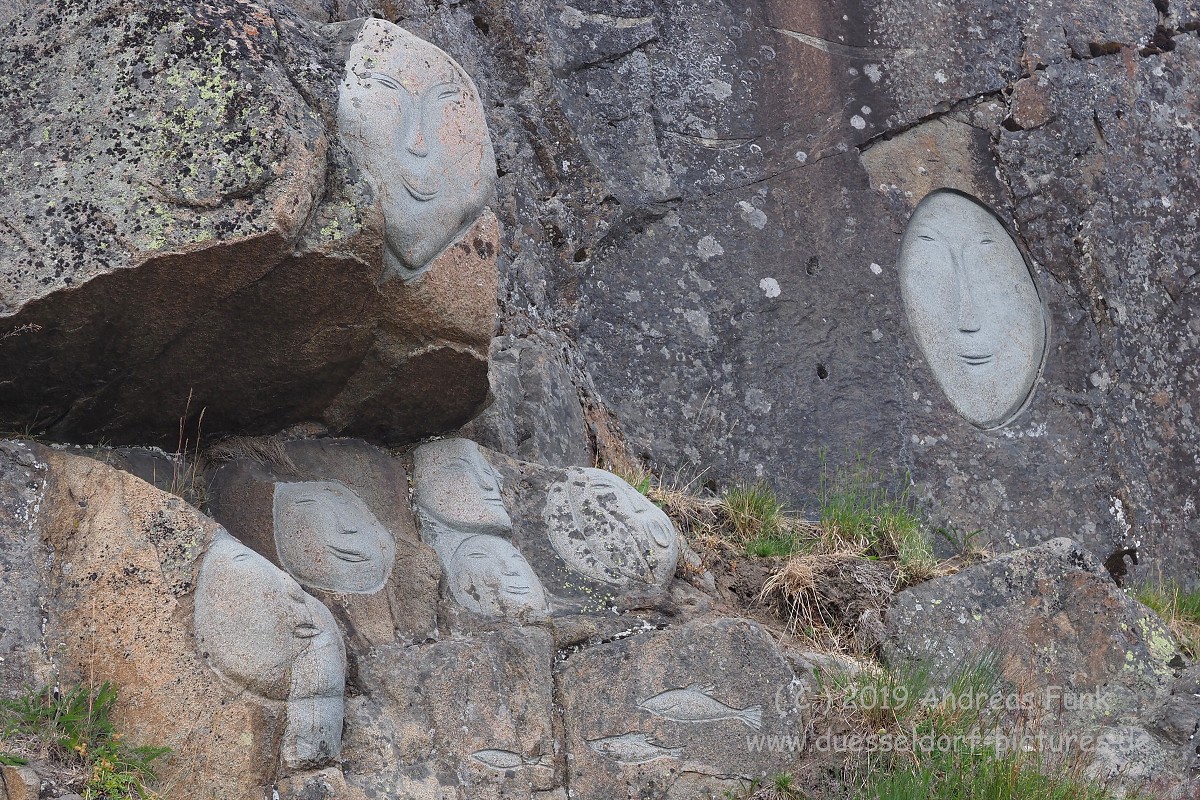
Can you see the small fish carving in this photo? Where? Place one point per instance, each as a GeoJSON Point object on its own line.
{"type": "Point", "coordinates": [633, 748]}
{"type": "Point", "coordinates": [507, 759]}
{"type": "Point", "coordinates": [696, 704]}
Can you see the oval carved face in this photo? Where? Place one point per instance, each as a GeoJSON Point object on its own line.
{"type": "Point", "coordinates": [605, 529]}
{"type": "Point", "coordinates": [458, 489]}
{"type": "Point", "coordinates": [328, 539]}
{"type": "Point", "coordinates": [973, 307]}
{"type": "Point", "coordinates": [489, 576]}
{"type": "Point", "coordinates": [413, 124]}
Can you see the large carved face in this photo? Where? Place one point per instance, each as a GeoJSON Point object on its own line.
{"type": "Point", "coordinates": [412, 121]}
{"type": "Point", "coordinates": [973, 306]}
{"type": "Point", "coordinates": [489, 576]}
{"type": "Point", "coordinates": [261, 631]}
{"type": "Point", "coordinates": [604, 528]}
{"type": "Point", "coordinates": [328, 539]}
{"type": "Point", "coordinates": [457, 489]}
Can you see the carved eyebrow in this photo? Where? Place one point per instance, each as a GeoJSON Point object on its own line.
{"type": "Point", "coordinates": [307, 500]}
{"type": "Point", "coordinates": [386, 80]}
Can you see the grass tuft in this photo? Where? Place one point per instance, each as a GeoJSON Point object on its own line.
{"type": "Point", "coordinates": [1179, 609]}
{"type": "Point", "coordinates": [73, 730]}
{"type": "Point", "coordinates": [861, 512]}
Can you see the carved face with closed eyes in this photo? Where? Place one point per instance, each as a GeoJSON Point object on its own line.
{"type": "Point", "coordinates": [328, 539]}
{"type": "Point", "coordinates": [974, 307]}
{"type": "Point", "coordinates": [413, 124]}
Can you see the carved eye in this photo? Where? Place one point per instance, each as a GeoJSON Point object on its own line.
{"type": "Point", "coordinates": [449, 92]}
{"type": "Point", "coordinates": [477, 554]}
{"type": "Point", "coordinates": [987, 241]}
{"type": "Point", "coordinates": [924, 237]}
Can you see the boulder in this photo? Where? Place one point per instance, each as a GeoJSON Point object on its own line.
{"type": "Point", "coordinates": [119, 571]}
{"type": "Point", "coordinates": [682, 710]}
{"type": "Point", "coordinates": [181, 192]}
{"type": "Point", "coordinates": [1051, 611]}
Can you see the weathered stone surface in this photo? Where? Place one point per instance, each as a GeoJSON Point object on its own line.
{"type": "Point", "coordinates": [1058, 625]}
{"type": "Point", "coordinates": [242, 497]}
{"type": "Point", "coordinates": [119, 599]}
{"type": "Point", "coordinates": [678, 707]}
{"type": "Point", "coordinates": [176, 197]}
{"type": "Point", "coordinates": [1052, 606]}
{"type": "Point", "coordinates": [23, 593]}
{"type": "Point", "coordinates": [471, 717]}
{"type": "Point", "coordinates": [536, 414]}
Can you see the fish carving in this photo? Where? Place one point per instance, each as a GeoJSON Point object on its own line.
{"type": "Point", "coordinates": [507, 759]}
{"type": "Point", "coordinates": [633, 748]}
{"type": "Point", "coordinates": [696, 704]}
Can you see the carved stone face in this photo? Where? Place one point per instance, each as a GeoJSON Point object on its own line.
{"type": "Point", "coordinates": [412, 121]}
{"type": "Point", "coordinates": [328, 539]}
{"type": "Point", "coordinates": [605, 529]}
{"type": "Point", "coordinates": [489, 576]}
{"type": "Point", "coordinates": [260, 631]}
{"type": "Point", "coordinates": [457, 489]}
{"type": "Point", "coordinates": [974, 308]}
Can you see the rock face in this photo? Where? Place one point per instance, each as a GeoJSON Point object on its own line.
{"type": "Point", "coordinates": [1062, 630]}
{"type": "Point", "coordinates": [706, 205]}
{"type": "Point", "coordinates": [178, 195]}
{"type": "Point", "coordinates": [117, 572]}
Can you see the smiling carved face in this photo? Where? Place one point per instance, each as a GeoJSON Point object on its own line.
{"type": "Point", "coordinates": [413, 124]}
{"type": "Point", "coordinates": [458, 489]}
{"type": "Point", "coordinates": [328, 539]}
{"type": "Point", "coordinates": [973, 306]}
{"type": "Point", "coordinates": [489, 576]}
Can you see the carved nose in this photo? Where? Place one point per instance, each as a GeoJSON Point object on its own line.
{"type": "Point", "coordinates": [416, 142]}
{"type": "Point", "coordinates": [968, 314]}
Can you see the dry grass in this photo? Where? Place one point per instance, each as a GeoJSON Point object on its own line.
{"type": "Point", "coordinates": [265, 450]}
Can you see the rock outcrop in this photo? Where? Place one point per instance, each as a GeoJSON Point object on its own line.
{"type": "Point", "coordinates": [188, 228]}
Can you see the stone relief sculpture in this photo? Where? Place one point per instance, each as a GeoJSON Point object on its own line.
{"type": "Point", "coordinates": [489, 576]}
{"type": "Point", "coordinates": [462, 513]}
{"type": "Point", "coordinates": [695, 703]}
{"type": "Point", "coordinates": [633, 748]}
{"type": "Point", "coordinates": [605, 529]}
{"type": "Point", "coordinates": [457, 490]}
{"type": "Point", "coordinates": [263, 634]}
{"type": "Point", "coordinates": [974, 307]}
{"type": "Point", "coordinates": [413, 124]}
{"type": "Point", "coordinates": [328, 539]}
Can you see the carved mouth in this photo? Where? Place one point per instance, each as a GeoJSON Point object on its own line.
{"type": "Point", "coordinates": [976, 359]}
{"type": "Point", "coordinates": [517, 589]}
{"type": "Point", "coordinates": [353, 556]}
{"type": "Point", "coordinates": [416, 190]}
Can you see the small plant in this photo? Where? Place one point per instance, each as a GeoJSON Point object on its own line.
{"type": "Point", "coordinates": [1179, 609]}
{"type": "Point", "coordinates": [966, 546]}
{"type": "Point", "coordinates": [73, 730]}
{"type": "Point", "coordinates": [861, 512]}
{"type": "Point", "coordinates": [759, 521]}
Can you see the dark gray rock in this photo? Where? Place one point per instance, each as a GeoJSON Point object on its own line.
{"type": "Point", "coordinates": [678, 710]}
{"type": "Point", "coordinates": [536, 414]}
{"type": "Point", "coordinates": [23, 557]}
